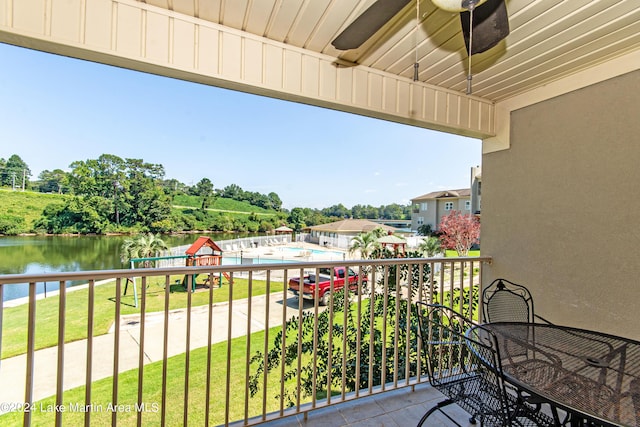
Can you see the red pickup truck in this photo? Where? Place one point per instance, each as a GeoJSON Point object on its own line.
{"type": "Point", "coordinates": [323, 282]}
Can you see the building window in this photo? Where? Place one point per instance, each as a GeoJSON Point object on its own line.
{"type": "Point", "coordinates": [448, 206]}
{"type": "Point", "coordinates": [467, 205]}
{"type": "Point", "coordinates": [420, 220]}
{"type": "Point", "coordinates": [423, 206]}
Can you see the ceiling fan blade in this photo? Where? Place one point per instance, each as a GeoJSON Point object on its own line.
{"type": "Point", "coordinates": [366, 25]}
{"type": "Point", "coordinates": [490, 25]}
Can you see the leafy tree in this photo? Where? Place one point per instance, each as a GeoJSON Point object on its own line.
{"type": "Point", "coordinates": [142, 198]}
{"type": "Point", "coordinates": [366, 243]}
{"type": "Point", "coordinates": [320, 376]}
{"type": "Point", "coordinates": [425, 230]}
{"type": "Point", "coordinates": [204, 189]}
{"type": "Point", "coordinates": [224, 223]}
{"type": "Point", "coordinates": [338, 211]}
{"type": "Point", "coordinates": [367, 343]}
{"type": "Point", "coordinates": [142, 246]}
{"type": "Point", "coordinates": [364, 212]}
{"type": "Point", "coordinates": [459, 232]}
{"type": "Point", "coordinates": [233, 191]}
{"type": "Point", "coordinates": [430, 246]}
{"type": "Point", "coordinates": [266, 226]}
{"type": "Point", "coordinates": [297, 219]}
{"type": "Point", "coordinates": [132, 187]}
{"type": "Point", "coordinates": [52, 181]}
{"type": "Point", "coordinates": [276, 203]}
{"type": "Point", "coordinates": [14, 171]}
{"type": "Point", "coordinates": [77, 215]}
{"type": "Point", "coordinates": [393, 211]}
{"type": "Point", "coordinates": [12, 225]}
{"type": "Point", "coordinates": [173, 187]}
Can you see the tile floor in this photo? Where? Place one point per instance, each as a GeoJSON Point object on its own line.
{"type": "Point", "coordinates": [398, 408]}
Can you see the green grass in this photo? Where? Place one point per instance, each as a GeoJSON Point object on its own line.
{"type": "Point", "coordinates": [101, 391]}
{"type": "Point", "coordinates": [14, 328]}
{"type": "Point", "coordinates": [453, 254]}
{"type": "Point", "coordinates": [220, 204]}
{"type": "Point", "coordinates": [27, 204]}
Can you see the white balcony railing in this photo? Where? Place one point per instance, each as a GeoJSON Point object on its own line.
{"type": "Point", "coordinates": [240, 349]}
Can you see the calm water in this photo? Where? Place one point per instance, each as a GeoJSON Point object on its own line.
{"type": "Point", "coordinates": [52, 254]}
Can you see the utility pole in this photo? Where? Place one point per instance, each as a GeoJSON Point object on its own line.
{"type": "Point", "coordinates": [13, 181]}
{"type": "Point", "coordinates": [24, 178]}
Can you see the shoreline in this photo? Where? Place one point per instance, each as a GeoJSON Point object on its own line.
{"type": "Point", "coordinates": [260, 253]}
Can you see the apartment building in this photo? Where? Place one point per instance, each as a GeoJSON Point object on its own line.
{"type": "Point", "coordinates": [431, 207]}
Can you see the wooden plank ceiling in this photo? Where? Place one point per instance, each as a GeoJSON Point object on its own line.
{"type": "Point", "coordinates": [549, 39]}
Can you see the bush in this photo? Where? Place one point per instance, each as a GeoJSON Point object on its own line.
{"type": "Point", "coordinates": [12, 225]}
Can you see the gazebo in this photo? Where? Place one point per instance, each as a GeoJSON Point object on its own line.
{"type": "Point", "coordinates": [397, 243]}
{"type": "Point", "coordinates": [283, 230]}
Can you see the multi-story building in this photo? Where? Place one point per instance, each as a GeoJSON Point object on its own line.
{"type": "Point", "coordinates": [429, 208]}
{"type": "Point", "coordinates": [476, 190]}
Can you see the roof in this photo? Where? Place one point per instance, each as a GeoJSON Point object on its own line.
{"type": "Point", "coordinates": [198, 244]}
{"type": "Point", "coordinates": [351, 226]}
{"type": "Point", "coordinates": [392, 240]}
{"type": "Point", "coordinates": [452, 194]}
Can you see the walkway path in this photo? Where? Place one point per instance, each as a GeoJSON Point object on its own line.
{"type": "Point", "coordinates": [13, 370]}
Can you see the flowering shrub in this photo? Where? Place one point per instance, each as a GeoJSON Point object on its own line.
{"type": "Point", "coordinates": [459, 232]}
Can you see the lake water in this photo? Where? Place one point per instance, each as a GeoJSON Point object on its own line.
{"type": "Point", "coordinates": [53, 254]}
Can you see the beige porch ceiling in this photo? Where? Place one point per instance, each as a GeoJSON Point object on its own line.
{"type": "Point", "coordinates": [282, 48]}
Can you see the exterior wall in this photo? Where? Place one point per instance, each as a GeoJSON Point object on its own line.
{"type": "Point", "coordinates": [561, 207]}
{"type": "Point", "coordinates": [458, 205]}
{"type": "Point", "coordinates": [476, 189]}
{"type": "Point", "coordinates": [429, 214]}
{"type": "Point", "coordinates": [436, 210]}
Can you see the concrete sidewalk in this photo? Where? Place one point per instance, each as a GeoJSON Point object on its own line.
{"type": "Point", "coordinates": [13, 370]}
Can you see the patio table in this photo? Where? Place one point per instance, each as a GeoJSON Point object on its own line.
{"type": "Point", "coordinates": [591, 375]}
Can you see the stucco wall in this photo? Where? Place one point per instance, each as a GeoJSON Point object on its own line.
{"type": "Point", "coordinates": [561, 208]}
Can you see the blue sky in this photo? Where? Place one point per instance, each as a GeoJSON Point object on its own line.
{"type": "Point", "coordinates": [55, 110]}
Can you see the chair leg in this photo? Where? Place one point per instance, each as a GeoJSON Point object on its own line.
{"type": "Point", "coordinates": [437, 407]}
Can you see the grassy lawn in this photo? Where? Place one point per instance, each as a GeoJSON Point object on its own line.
{"type": "Point", "coordinates": [152, 391]}
{"type": "Point", "coordinates": [14, 330]}
{"type": "Point", "coordinates": [453, 254]}
{"type": "Point", "coordinates": [27, 204]}
{"type": "Point", "coordinates": [221, 204]}
{"type": "Point", "coordinates": [101, 391]}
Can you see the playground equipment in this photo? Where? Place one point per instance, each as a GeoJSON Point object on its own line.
{"type": "Point", "coordinates": [192, 257]}
{"type": "Point", "coordinates": [205, 259]}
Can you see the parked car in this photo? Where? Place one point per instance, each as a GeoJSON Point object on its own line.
{"type": "Point", "coordinates": [323, 283]}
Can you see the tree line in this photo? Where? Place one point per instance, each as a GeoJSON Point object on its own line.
{"type": "Point", "coordinates": [112, 194]}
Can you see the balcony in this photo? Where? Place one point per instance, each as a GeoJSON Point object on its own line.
{"type": "Point", "coordinates": [187, 346]}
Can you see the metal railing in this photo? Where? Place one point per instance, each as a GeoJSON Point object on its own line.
{"type": "Point", "coordinates": [239, 350]}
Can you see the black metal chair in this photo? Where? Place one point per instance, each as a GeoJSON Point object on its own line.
{"type": "Point", "coordinates": [505, 301]}
{"type": "Point", "coordinates": [463, 364]}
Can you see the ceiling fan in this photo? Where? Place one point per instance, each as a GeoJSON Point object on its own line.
{"type": "Point", "coordinates": [484, 23]}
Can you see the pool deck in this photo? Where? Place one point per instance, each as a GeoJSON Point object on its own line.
{"type": "Point", "coordinates": [306, 252]}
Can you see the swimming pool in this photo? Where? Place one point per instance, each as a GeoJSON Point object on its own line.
{"type": "Point", "coordinates": [298, 251]}
{"type": "Point", "coordinates": [282, 255]}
